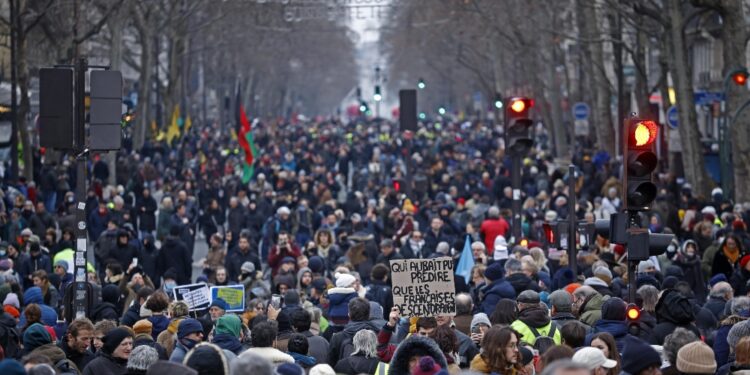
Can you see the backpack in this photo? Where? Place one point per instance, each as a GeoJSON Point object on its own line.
{"type": "Point", "coordinates": [10, 340]}
{"type": "Point", "coordinates": [550, 334]}
{"type": "Point", "coordinates": [346, 349]}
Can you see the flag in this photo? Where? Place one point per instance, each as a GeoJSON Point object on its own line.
{"type": "Point", "coordinates": [188, 124]}
{"type": "Point", "coordinates": [174, 129]}
{"type": "Point", "coordinates": [245, 138]}
{"type": "Point", "coordinates": [466, 263]}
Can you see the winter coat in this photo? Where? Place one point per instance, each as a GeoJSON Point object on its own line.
{"type": "Point", "coordinates": [721, 264]}
{"type": "Point", "coordinates": [32, 264]}
{"type": "Point", "coordinates": [338, 307]}
{"type": "Point", "coordinates": [143, 339]}
{"type": "Point", "coordinates": [716, 306]}
{"type": "Point", "coordinates": [591, 310]}
{"type": "Point", "coordinates": [412, 346]}
{"type": "Point", "coordinates": [228, 342]}
{"type": "Point", "coordinates": [494, 292]}
{"type": "Point", "coordinates": [132, 315]}
{"type": "Point", "coordinates": [522, 282]}
{"type": "Point", "coordinates": [175, 254]}
{"type": "Point", "coordinates": [537, 318]}
{"type": "Point", "coordinates": [78, 358]}
{"type": "Point", "coordinates": [599, 285]}
{"type": "Point", "coordinates": [64, 365]}
{"type": "Point", "coordinates": [380, 292]}
{"type": "Point", "coordinates": [49, 315]}
{"type": "Point", "coordinates": [691, 269]}
{"type": "Point", "coordinates": [146, 209]}
{"type": "Point", "coordinates": [356, 364]}
{"type": "Point", "coordinates": [739, 282]}
{"type": "Point", "coordinates": [235, 260]}
{"type": "Point", "coordinates": [467, 349]}
{"type": "Point", "coordinates": [318, 347]}
{"type": "Point", "coordinates": [159, 324]}
{"type": "Point", "coordinates": [106, 364]}
{"type": "Point", "coordinates": [340, 338]}
{"type": "Point", "coordinates": [673, 310]}
{"type": "Point", "coordinates": [163, 223]}
{"type": "Point", "coordinates": [721, 346]}
{"type": "Point", "coordinates": [274, 355]}
{"type": "Point", "coordinates": [618, 329]}
{"type": "Point", "coordinates": [104, 311]}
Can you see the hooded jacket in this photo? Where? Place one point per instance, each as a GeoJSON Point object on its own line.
{"type": "Point", "coordinates": [521, 282]}
{"type": "Point", "coordinates": [34, 295]}
{"type": "Point", "coordinates": [339, 338]}
{"type": "Point", "coordinates": [537, 318]}
{"type": "Point", "coordinates": [494, 292]}
{"type": "Point", "coordinates": [591, 310]}
{"type": "Point", "coordinates": [228, 342]}
{"type": "Point", "coordinates": [58, 358]}
{"type": "Point", "coordinates": [415, 346]}
{"type": "Point", "coordinates": [673, 310]}
{"type": "Point", "coordinates": [691, 270]}
{"type": "Point", "coordinates": [617, 328]}
{"type": "Point", "coordinates": [339, 298]}
{"type": "Point", "coordinates": [106, 364]}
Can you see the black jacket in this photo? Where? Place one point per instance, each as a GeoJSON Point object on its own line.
{"type": "Point", "coordinates": [673, 310]}
{"type": "Point", "coordinates": [339, 339]}
{"type": "Point", "coordinates": [235, 260]}
{"type": "Point", "coordinates": [104, 311]}
{"type": "Point", "coordinates": [174, 254]}
{"type": "Point", "coordinates": [357, 364]}
{"type": "Point", "coordinates": [106, 364]}
{"type": "Point", "coordinates": [380, 292]}
{"type": "Point", "coordinates": [132, 315]}
{"type": "Point", "coordinates": [521, 282]}
{"type": "Point", "coordinates": [146, 209]}
{"type": "Point", "coordinates": [415, 346]}
{"type": "Point", "coordinates": [78, 358]}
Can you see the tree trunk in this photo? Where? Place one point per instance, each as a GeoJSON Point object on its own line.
{"type": "Point", "coordinates": [602, 106]}
{"type": "Point", "coordinates": [24, 107]}
{"type": "Point", "coordinates": [559, 131]}
{"type": "Point", "coordinates": [692, 152]}
{"type": "Point", "coordinates": [144, 89]}
{"type": "Point", "coordinates": [588, 93]}
{"type": "Point", "coordinates": [733, 37]}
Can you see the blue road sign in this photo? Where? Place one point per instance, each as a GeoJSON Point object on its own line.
{"type": "Point", "coordinates": [673, 118]}
{"type": "Point", "coordinates": [581, 111]}
{"type": "Point", "coordinates": [707, 97]}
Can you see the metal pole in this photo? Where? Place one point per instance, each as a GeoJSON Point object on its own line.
{"type": "Point", "coordinates": [515, 180]}
{"type": "Point", "coordinates": [632, 280]}
{"type": "Point", "coordinates": [572, 222]}
{"type": "Point", "coordinates": [80, 300]}
{"type": "Point", "coordinates": [13, 87]}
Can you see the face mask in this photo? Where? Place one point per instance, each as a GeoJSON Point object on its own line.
{"type": "Point", "coordinates": [168, 286]}
{"type": "Point", "coordinates": [2, 253]}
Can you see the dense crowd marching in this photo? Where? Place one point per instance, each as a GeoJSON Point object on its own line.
{"type": "Point", "coordinates": [311, 237]}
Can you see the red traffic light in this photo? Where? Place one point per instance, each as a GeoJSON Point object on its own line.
{"type": "Point", "coordinates": [740, 78]}
{"type": "Point", "coordinates": [520, 105]}
{"type": "Point", "coordinates": [633, 312]}
{"type": "Point", "coordinates": [643, 133]}
{"type": "Point", "coordinates": [397, 185]}
{"type": "Point", "coordinates": [549, 233]}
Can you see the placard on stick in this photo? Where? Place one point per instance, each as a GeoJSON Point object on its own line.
{"type": "Point", "coordinates": [196, 296]}
{"type": "Point", "coordinates": [424, 287]}
{"type": "Point", "coordinates": [233, 295]}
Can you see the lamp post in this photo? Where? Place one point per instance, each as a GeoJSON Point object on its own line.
{"type": "Point", "coordinates": [739, 77]}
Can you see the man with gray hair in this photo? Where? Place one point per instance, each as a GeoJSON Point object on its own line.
{"type": "Point", "coordinates": [587, 304]}
{"type": "Point", "coordinates": [464, 307]}
{"type": "Point", "coordinates": [517, 278]}
{"type": "Point", "coordinates": [672, 344]}
{"type": "Point", "coordinates": [561, 307]}
{"type": "Point", "coordinates": [738, 312]}
{"type": "Point", "coordinates": [717, 299]}
{"type": "Point", "coordinates": [251, 363]}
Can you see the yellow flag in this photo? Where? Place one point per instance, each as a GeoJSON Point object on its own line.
{"type": "Point", "coordinates": [188, 124]}
{"type": "Point", "coordinates": [174, 130]}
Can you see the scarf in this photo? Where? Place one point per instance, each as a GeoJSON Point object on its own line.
{"type": "Point", "coordinates": [732, 255]}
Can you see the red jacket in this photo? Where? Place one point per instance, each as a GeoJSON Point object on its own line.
{"type": "Point", "coordinates": [275, 256]}
{"type": "Point", "coordinates": [492, 228]}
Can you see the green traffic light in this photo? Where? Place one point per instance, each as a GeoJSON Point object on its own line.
{"type": "Point", "coordinates": [498, 104]}
{"type": "Point", "coordinates": [441, 111]}
{"type": "Point", "coordinates": [422, 115]}
{"type": "Point", "coordinates": [420, 84]}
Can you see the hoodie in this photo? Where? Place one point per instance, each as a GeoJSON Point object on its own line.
{"type": "Point", "coordinates": [591, 310]}
{"type": "Point", "coordinates": [34, 295]}
{"type": "Point", "coordinates": [347, 334]}
{"type": "Point", "coordinates": [673, 310]}
{"type": "Point", "coordinates": [537, 318]}
{"type": "Point", "coordinates": [415, 346]}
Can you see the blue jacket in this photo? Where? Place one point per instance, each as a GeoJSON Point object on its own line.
{"type": "Point", "coordinates": [493, 293]}
{"type": "Point", "coordinates": [618, 329]}
{"type": "Point", "coordinates": [721, 347]}
{"type": "Point", "coordinates": [339, 302]}
{"type": "Point", "coordinates": [160, 324]}
{"type": "Point", "coordinates": [34, 295]}
{"type": "Point", "coordinates": [228, 342]}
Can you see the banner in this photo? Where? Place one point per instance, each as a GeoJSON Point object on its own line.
{"type": "Point", "coordinates": [196, 296]}
{"type": "Point", "coordinates": [233, 295]}
{"type": "Point", "coordinates": [424, 287]}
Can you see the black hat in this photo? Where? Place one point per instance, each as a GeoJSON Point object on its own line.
{"type": "Point", "coordinates": [113, 339]}
{"type": "Point", "coordinates": [637, 355]}
{"type": "Point", "coordinates": [528, 296]}
{"type": "Point", "coordinates": [614, 309]}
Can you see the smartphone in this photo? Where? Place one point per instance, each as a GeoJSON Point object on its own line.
{"type": "Point", "coordinates": [135, 261]}
{"type": "Point", "coordinates": [476, 329]}
{"type": "Point", "coordinates": [276, 301]}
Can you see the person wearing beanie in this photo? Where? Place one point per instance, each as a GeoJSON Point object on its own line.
{"type": "Point", "coordinates": [480, 323]}
{"type": "Point", "coordinates": [167, 367]}
{"type": "Point", "coordinates": [426, 366]}
{"type": "Point", "coordinates": [496, 288]}
{"type": "Point", "coordinates": [318, 288]}
{"type": "Point", "coordinates": [612, 321]}
{"type": "Point", "coordinates": [638, 357]}
{"type": "Point", "coordinates": [696, 358]}
{"type": "Point", "coordinates": [339, 298]}
{"type": "Point", "coordinates": [118, 343]}
{"type": "Point", "coordinates": [217, 309]}
{"type": "Point", "coordinates": [189, 334]}
{"type": "Point", "coordinates": [11, 299]}
{"type": "Point", "coordinates": [207, 359]}
{"type": "Point", "coordinates": [290, 369]}
{"type": "Point", "coordinates": [143, 326]}
{"type": "Point", "coordinates": [561, 307]}
{"type": "Point", "coordinates": [143, 330]}
{"type": "Point", "coordinates": [227, 333]}
{"type": "Point", "coordinates": [141, 358]}
{"type": "Point", "coordinates": [11, 367]}
{"type": "Point", "coordinates": [601, 281]}
{"type": "Point", "coordinates": [108, 308]}
{"type": "Point", "coordinates": [35, 336]}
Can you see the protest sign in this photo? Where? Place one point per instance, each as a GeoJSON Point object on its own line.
{"type": "Point", "coordinates": [424, 287]}
{"type": "Point", "coordinates": [233, 295]}
{"type": "Point", "coordinates": [196, 296]}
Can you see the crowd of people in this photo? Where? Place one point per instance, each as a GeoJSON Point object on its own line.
{"type": "Point", "coordinates": [311, 237]}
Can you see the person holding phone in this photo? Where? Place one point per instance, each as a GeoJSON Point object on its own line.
{"type": "Point", "coordinates": [284, 247]}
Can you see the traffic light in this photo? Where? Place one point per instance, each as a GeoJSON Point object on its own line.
{"type": "Point", "coordinates": [641, 161]}
{"type": "Point", "coordinates": [422, 115]}
{"type": "Point", "coordinates": [498, 101]}
{"type": "Point", "coordinates": [633, 315]}
{"type": "Point", "coordinates": [740, 77]}
{"type": "Point", "coordinates": [378, 97]}
{"type": "Point", "coordinates": [397, 185]}
{"type": "Point", "coordinates": [363, 107]}
{"type": "Point", "coordinates": [441, 111]}
{"type": "Point", "coordinates": [518, 139]}
{"type": "Point", "coordinates": [420, 84]}
{"type": "Point", "coordinates": [550, 236]}
{"type": "Point", "coordinates": [639, 242]}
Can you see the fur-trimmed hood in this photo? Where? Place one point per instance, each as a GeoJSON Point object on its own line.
{"type": "Point", "coordinates": [415, 345]}
{"type": "Point", "coordinates": [206, 356]}
{"type": "Point", "coordinates": [274, 355]}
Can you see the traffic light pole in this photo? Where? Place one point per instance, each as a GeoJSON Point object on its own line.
{"type": "Point", "coordinates": [80, 303]}
{"type": "Point", "coordinates": [572, 222]}
{"type": "Point", "coordinates": [515, 180]}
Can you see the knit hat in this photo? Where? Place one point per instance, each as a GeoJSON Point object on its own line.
{"type": "Point", "coordinates": [319, 284]}
{"type": "Point", "coordinates": [12, 300]}
{"type": "Point", "coordinates": [220, 303]}
{"type": "Point", "coordinates": [593, 358]}
{"type": "Point", "coordinates": [528, 296]}
{"type": "Point", "coordinates": [738, 331]}
{"type": "Point", "coordinates": [322, 369]}
{"type": "Point", "coordinates": [247, 267]}
{"type": "Point", "coordinates": [180, 308]}
{"type": "Point", "coordinates": [316, 264]}
{"type": "Point", "coordinates": [571, 288]}
{"type": "Point", "coordinates": [696, 358]}
{"type": "Point", "coordinates": [12, 311]}
{"type": "Point", "coordinates": [526, 355]}
{"type": "Point", "coordinates": [669, 282]}
{"type": "Point", "coordinates": [291, 298]}
{"type": "Point", "coordinates": [229, 324]}
{"type": "Point", "coordinates": [188, 326]}
{"type": "Point", "coordinates": [614, 309]}
{"type": "Point", "coordinates": [142, 357]}
{"type": "Point", "coordinates": [637, 355]}
{"type": "Point", "coordinates": [426, 366]}
{"type": "Point", "coordinates": [143, 326]}
{"type": "Point", "coordinates": [561, 300]}
{"type": "Point", "coordinates": [167, 367]}
{"type": "Point", "coordinates": [645, 264]}
{"type": "Point", "coordinates": [494, 272]}
{"type": "Point", "coordinates": [5, 265]}
{"type": "Point", "coordinates": [719, 277]}
{"type": "Point", "coordinates": [11, 367]}
{"type": "Point", "coordinates": [113, 339]}
{"type": "Point", "coordinates": [744, 261]}
{"type": "Point", "coordinates": [500, 247]}
{"type": "Point", "coordinates": [604, 274]}
{"type": "Point", "coordinates": [344, 280]}
{"type": "Point", "coordinates": [289, 369]}
{"type": "Point", "coordinates": [480, 318]}
{"type": "Point", "coordinates": [63, 264]}
{"type": "Point", "coordinates": [35, 336]}
{"type": "Point", "coordinates": [206, 358]}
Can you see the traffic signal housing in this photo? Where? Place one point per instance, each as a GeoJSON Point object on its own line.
{"type": "Point", "coordinates": [498, 101]}
{"type": "Point", "coordinates": [641, 162]}
{"type": "Point", "coordinates": [740, 77]}
{"type": "Point", "coordinates": [518, 140]}
{"type": "Point", "coordinates": [420, 84]}
{"type": "Point", "coordinates": [633, 316]}
{"type": "Point", "coordinates": [378, 96]}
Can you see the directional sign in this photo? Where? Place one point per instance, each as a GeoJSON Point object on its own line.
{"type": "Point", "coordinates": [581, 111]}
{"type": "Point", "coordinates": [673, 118]}
{"type": "Point", "coordinates": [707, 97]}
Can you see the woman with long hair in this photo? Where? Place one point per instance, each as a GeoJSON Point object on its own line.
{"type": "Point", "coordinates": [50, 293]}
{"type": "Point", "coordinates": [500, 353]}
{"type": "Point", "coordinates": [605, 342]}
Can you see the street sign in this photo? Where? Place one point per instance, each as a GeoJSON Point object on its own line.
{"type": "Point", "coordinates": [707, 97]}
{"type": "Point", "coordinates": [581, 111]}
{"type": "Point", "coordinates": [673, 118]}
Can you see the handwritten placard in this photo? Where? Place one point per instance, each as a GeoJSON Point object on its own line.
{"type": "Point", "coordinates": [233, 295]}
{"type": "Point", "coordinates": [196, 296]}
{"type": "Point", "coordinates": [424, 287]}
